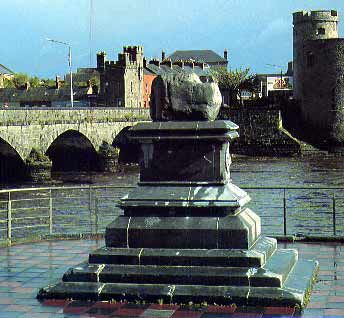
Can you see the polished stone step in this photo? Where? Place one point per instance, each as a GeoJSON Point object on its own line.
{"type": "Point", "coordinates": [294, 292]}
{"type": "Point", "coordinates": [256, 256]}
{"type": "Point", "coordinates": [273, 273]}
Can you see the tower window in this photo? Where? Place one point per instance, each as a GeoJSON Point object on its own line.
{"type": "Point", "coordinates": [321, 31]}
{"type": "Point", "coordinates": [310, 59]}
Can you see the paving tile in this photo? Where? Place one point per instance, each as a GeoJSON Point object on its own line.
{"type": "Point", "coordinates": [129, 312]}
{"type": "Point", "coordinates": [279, 311]}
{"type": "Point", "coordinates": [159, 313]}
{"type": "Point", "coordinates": [334, 312]}
{"type": "Point", "coordinates": [187, 314]}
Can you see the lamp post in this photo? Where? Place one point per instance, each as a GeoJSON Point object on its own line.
{"type": "Point", "coordinates": [70, 67]}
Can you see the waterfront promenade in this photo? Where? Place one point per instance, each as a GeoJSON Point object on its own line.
{"type": "Point", "coordinates": [25, 268]}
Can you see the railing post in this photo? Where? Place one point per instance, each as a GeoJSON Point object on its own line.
{"type": "Point", "coordinates": [96, 215]}
{"type": "Point", "coordinates": [334, 214]}
{"type": "Point", "coordinates": [90, 206]}
{"type": "Point", "coordinates": [284, 213]}
{"type": "Point", "coordinates": [9, 217]}
{"type": "Point", "coordinates": [50, 213]}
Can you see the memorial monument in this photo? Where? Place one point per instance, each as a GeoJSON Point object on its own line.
{"type": "Point", "coordinates": [185, 234]}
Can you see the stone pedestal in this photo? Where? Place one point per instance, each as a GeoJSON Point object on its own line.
{"type": "Point", "coordinates": [185, 234]}
{"type": "Point", "coordinates": [39, 172]}
{"type": "Point", "coordinates": [108, 158]}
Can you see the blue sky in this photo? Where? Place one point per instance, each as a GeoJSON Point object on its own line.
{"type": "Point", "coordinates": [255, 33]}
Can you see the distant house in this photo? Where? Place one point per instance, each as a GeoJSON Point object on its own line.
{"type": "Point", "coordinates": [58, 96]}
{"type": "Point", "coordinates": [201, 56]}
{"type": "Point", "coordinates": [5, 73]}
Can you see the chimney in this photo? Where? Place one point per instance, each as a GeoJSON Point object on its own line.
{"type": "Point", "coordinates": [179, 63]}
{"type": "Point", "coordinates": [155, 62]}
{"type": "Point", "coordinates": [58, 82]}
{"type": "Point", "coordinates": [101, 59]}
{"type": "Point", "coordinates": [167, 63]}
{"type": "Point", "coordinates": [225, 54]}
{"type": "Point", "coordinates": [200, 64]}
{"type": "Point", "coordinates": [163, 55]}
{"type": "Point", "coordinates": [190, 63]}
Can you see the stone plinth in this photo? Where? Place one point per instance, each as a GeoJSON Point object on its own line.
{"type": "Point", "coordinates": [185, 234]}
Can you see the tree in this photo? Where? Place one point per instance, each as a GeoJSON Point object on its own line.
{"type": "Point", "coordinates": [35, 81]}
{"type": "Point", "coordinates": [233, 81]}
{"type": "Point", "coordinates": [20, 79]}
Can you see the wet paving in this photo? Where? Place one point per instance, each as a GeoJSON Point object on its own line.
{"type": "Point", "coordinates": [27, 267]}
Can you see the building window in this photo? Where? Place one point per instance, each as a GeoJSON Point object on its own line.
{"type": "Point", "coordinates": [320, 31]}
{"type": "Point", "coordinates": [131, 86]}
{"type": "Point", "coordinates": [310, 59]}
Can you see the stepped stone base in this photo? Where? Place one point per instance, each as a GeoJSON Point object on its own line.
{"type": "Point", "coordinates": [262, 275]}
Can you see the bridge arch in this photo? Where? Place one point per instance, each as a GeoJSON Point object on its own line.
{"type": "Point", "coordinates": [12, 165]}
{"type": "Point", "coordinates": [72, 151]}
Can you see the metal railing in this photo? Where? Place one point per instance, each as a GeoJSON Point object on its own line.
{"type": "Point", "coordinates": [43, 212]}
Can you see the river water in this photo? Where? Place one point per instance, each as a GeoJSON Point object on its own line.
{"type": "Point", "coordinates": [309, 211]}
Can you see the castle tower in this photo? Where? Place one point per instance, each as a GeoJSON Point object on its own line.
{"type": "Point", "coordinates": [313, 25]}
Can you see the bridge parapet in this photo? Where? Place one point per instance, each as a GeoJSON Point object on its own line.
{"type": "Point", "coordinates": [25, 129]}
{"type": "Point", "coordinates": [51, 116]}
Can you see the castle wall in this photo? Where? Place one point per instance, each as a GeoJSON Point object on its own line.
{"type": "Point", "coordinates": [261, 132]}
{"type": "Point", "coordinates": [323, 87]}
{"type": "Point", "coordinates": [314, 25]}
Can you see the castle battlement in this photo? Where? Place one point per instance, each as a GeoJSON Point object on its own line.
{"type": "Point", "coordinates": [317, 15]}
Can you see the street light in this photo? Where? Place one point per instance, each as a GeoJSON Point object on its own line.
{"type": "Point", "coordinates": [70, 67]}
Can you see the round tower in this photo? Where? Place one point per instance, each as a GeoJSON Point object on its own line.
{"type": "Point", "coordinates": [310, 25]}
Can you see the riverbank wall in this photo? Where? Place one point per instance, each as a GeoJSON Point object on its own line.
{"type": "Point", "coordinates": [261, 132]}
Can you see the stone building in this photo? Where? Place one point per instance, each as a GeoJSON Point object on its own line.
{"type": "Point", "coordinates": [319, 73]}
{"type": "Point", "coordinates": [121, 82]}
{"type": "Point", "coordinates": [54, 96]}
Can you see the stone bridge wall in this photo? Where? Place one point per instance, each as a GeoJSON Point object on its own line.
{"type": "Point", "coordinates": [25, 129]}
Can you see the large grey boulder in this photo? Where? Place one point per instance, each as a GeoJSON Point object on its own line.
{"type": "Point", "coordinates": [183, 96]}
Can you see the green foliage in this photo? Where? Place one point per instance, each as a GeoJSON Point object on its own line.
{"type": "Point", "coordinates": [47, 82]}
{"type": "Point", "coordinates": [233, 81]}
{"type": "Point", "coordinates": [8, 83]}
{"type": "Point", "coordinates": [106, 150]}
{"type": "Point", "coordinates": [36, 156]}
{"type": "Point", "coordinates": [20, 79]}
{"type": "Point", "coordinates": [35, 81]}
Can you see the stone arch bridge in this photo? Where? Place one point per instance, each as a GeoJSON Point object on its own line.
{"type": "Point", "coordinates": [22, 130]}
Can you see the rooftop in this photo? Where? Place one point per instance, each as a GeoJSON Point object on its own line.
{"type": "Point", "coordinates": [207, 56]}
{"type": "Point", "coordinates": [27, 267]}
{"type": "Point", "coordinates": [5, 70]}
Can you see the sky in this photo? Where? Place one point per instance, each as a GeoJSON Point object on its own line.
{"type": "Point", "coordinates": [254, 32]}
